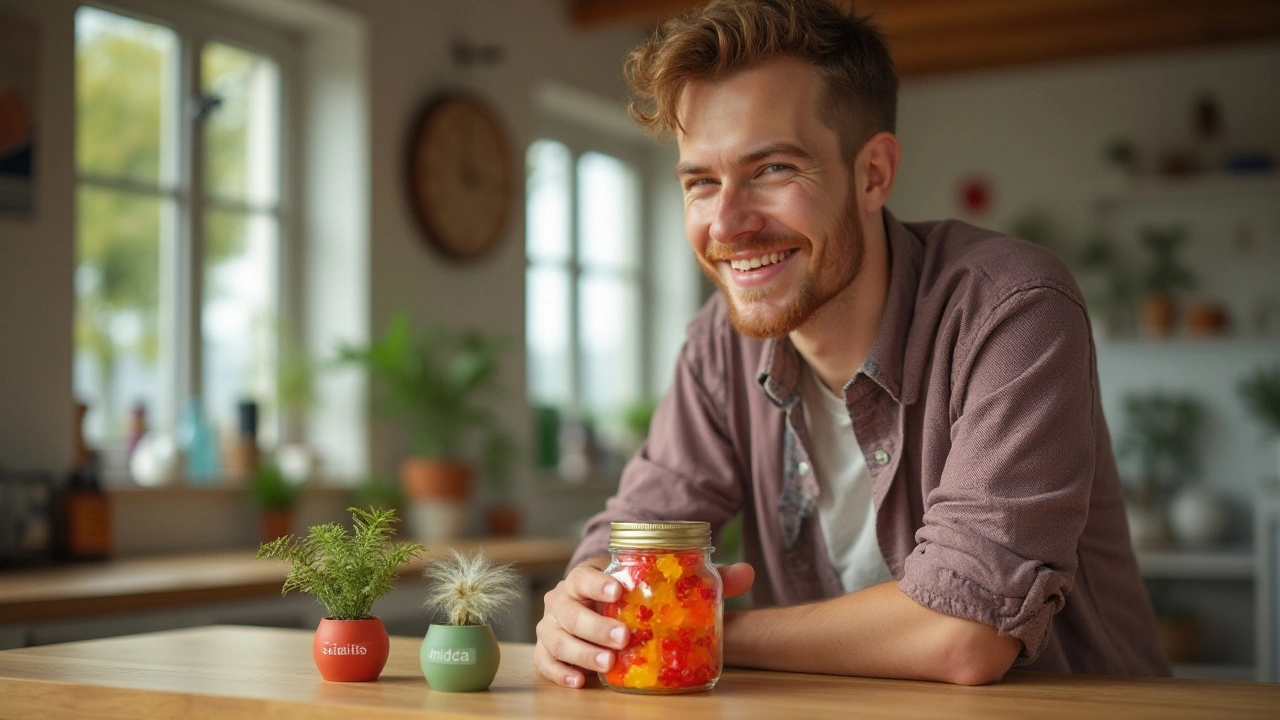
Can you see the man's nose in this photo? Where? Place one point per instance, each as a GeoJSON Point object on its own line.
{"type": "Point", "coordinates": [736, 217]}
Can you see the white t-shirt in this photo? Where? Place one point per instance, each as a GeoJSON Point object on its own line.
{"type": "Point", "coordinates": [846, 510]}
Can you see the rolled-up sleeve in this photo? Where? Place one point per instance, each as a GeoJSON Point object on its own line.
{"type": "Point", "coordinates": [998, 543]}
{"type": "Point", "coordinates": [685, 470]}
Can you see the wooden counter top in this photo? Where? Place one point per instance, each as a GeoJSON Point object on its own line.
{"type": "Point", "coordinates": [227, 671]}
{"type": "Point", "coordinates": [138, 584]}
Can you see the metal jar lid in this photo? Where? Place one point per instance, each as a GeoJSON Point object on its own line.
{"type": "Point", "coordinates": [675, 535]}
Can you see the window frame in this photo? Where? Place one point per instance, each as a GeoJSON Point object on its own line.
{"type": "Point", "coordinates": [580, 140]}
{"type": "Point", "coordinates": [181, 361]}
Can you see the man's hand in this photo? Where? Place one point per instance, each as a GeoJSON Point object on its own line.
{"type": "Point", "coordinates": [573, 638]}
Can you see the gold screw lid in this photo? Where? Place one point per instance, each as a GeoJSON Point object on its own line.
{"type": "Point", "coordinates": [674, 535]}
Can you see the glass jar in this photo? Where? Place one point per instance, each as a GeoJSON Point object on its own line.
{"type": "Point", "coordinates": [673, 603]}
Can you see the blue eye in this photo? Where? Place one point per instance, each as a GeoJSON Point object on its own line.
{"type": "Point", "coordinates": [775, 167]}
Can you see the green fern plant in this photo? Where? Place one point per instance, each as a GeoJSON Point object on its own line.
{"type": "Point", "coordinates": [1261, 394]}
{"type": "Point", "coordinates": [345, 571]}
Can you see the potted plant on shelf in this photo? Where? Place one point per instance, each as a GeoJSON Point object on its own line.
{"type": "Point", "coordinates": [1261, 394]}
{"type": "Point", "coordinates": [346, 572]}
{"type": "Point", "coordinates": [379, 492]}
{"type": "Point", "coordinates": [463, 655]}
{"type": "Point", "coordinates": [500, 454]}
{"type": "Point", "coordinates": [276, 499]}
{"type": "Point", "coordinates": [1164, 278]}
{"type": "Point", "coordinates": [1159, 438]}
{"type": "Point", "coordinates": [1107, 285]}
{"type": "Point", "coordinates": [434, 382]}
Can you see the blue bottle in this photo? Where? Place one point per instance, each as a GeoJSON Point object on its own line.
{"type": "Point", "coordinates": [199, 445]}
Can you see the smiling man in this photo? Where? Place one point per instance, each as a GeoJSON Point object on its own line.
{"type": "Point", "coordinates": [906, 415]}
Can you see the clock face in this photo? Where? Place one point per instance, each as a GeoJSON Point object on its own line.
{"type": "Point", "coordinates": [460, 176]}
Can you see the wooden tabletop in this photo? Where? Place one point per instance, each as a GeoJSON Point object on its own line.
{"type": "Point", "coordinates": [138, 584]}
{"type": "Point", "coordinates": [228, 672]}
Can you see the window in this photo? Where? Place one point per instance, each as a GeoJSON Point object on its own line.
{"type": "Point", "coordinates": [585, 289]}
{"type": "Point", "coordinates": [180, 220]}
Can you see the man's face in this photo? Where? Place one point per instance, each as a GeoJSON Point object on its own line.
{"type": "Point", "coordinates": [769, 204]}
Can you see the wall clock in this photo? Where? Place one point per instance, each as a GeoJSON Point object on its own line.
{"type": "Point", "coordinates": [461, 176]}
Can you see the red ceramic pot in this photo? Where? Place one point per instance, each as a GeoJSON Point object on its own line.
{"type": "Point", "coordinates": [350, 650]}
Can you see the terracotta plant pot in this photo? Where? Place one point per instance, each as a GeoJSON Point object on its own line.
{"type": "Point", "coordinates": [276, 524]}
{"type": "Point", "coordinates": [1179, 638]}
{"type": "Point", "coordinates": [504, 520]}
{"type": "Point", "coordinates": [438, 492]}
{"type": "Point", "coordinates": [1205, 319]}
{"type": "Point", "coordinates": [423, 478]}
{"type": "Point", "coordinates": [460, 658]}
{"type": "Point", "coordinates": [1157, 315]}
{"type": "Point", "coordinates": [350, 650]}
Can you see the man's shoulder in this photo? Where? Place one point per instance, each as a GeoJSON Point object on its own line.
{"type": "Point", "coordinates": [963, 260]}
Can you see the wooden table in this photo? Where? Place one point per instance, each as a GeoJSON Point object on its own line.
{"type": "Point", "coordinates": [228, 672]}
{"type": "Point", "coordinates": [139, 584]}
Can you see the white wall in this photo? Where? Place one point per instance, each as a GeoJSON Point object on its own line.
{"type": "Point", "coordinates": [36, 257]}
{"type": "Point", "coordinates": [1038, 134]}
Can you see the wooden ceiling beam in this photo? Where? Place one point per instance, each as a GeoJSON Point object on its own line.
{"type": "Point", "coordinates": [940, 36]}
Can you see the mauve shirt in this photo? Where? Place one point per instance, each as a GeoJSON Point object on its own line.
{"type": "Point", "coordinates": [978, 411]}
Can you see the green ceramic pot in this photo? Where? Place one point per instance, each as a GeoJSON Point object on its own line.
{"type": "Point", "coordinates": [459, 658]}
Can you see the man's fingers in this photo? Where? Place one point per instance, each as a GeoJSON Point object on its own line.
{"type": "Point", "coordinates": [737, 578]}
{"type": "Point", "coordinates": [584, 622]}
{"type": "Point", "coordinates": [556, 671]}
{"type": "Point", "coordinates": [572, 650]}
{"type": "Point", "coordinates": [587, 583]}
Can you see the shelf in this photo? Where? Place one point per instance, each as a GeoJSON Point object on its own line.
{"type": "Point", "coordinates": [1193, 187]}
{"type": "Point", "coordinates": [1228, 564]}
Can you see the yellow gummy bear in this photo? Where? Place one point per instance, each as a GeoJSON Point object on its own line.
{"type": "Point", "coordinates": [670, 567]}
{"type": "Point", "coordinates": [646, 675]}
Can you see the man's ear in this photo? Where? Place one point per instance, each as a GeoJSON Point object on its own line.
{"type": "Point", "coordinates": [878, 167]}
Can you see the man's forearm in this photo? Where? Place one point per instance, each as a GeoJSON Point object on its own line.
{"type": "Point", "coordinates": [876, 632]}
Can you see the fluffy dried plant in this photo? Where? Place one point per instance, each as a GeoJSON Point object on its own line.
{"type": "Point", "coordinates": [470, 590]}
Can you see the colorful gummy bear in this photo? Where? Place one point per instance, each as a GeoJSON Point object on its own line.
{"type": "Point", "coordinates": [671, 604]}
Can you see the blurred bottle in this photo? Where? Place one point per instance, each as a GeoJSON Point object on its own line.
{"type": "Point", "coordinates": [137, 425]}
{"type": "Point", "coordinates": [242, 451]}
{"type": "Point", "coordinates": [87, 508]}
{"type": "Point", "coordinates": [198, 443]}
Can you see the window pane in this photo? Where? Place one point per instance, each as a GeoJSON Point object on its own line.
{"type": "Point", "coordinates": [547, 201]}
{"type": "Point", "coordinates": [609, 315]}
{"type": "Point", "coordinates": [125, 95]}
{"type": "Point", "coordinates": [608, 213]}
{"type": "Point", "coordinates": [240, 134]}
{"type": "Point", "coordinates": [547, 331]}
{"type": "Point", "coordinates": [119, 337]}
{"type": "Point", "coordinates": [239, 316]}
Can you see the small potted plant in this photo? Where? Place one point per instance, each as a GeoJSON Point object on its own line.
{"type": "Point", "coordinates": [346, 572]}
{"type": "Point", "coordinates": [1163, 279]}
{"type": "Point", "coordinates": [276, 499]}
{"type": "Point", "coordinates": [463, 655]}
{"type": "Point", "coordinates": [1159, 436]}
{"type": "Point", "coordinates": [434, 381]}
{"type": "Point", "coordinates": [1261, 394]}
{"type": "Point", "coordinates": [500, 454]}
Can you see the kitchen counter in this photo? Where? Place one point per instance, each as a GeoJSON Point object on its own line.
{"type": "Point", "coordinates": [153, 583]}
{"type": "Point", "coordinates": [230, 671]}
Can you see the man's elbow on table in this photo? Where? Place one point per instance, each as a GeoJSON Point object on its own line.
{"type": "Point", "coordinates": [974, 654]}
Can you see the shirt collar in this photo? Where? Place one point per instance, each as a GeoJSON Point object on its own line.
{"type": "Point", "coordinates": [779, 370]}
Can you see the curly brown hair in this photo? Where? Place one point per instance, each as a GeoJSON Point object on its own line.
{"type": "Point", "coordinates": [861, 87]}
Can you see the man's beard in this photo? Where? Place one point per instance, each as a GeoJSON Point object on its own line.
{"type": "Point", "coordinates": [845, 261]}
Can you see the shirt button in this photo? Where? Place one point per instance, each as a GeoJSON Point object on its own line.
{"type": "Point", "coordinates": [802, 468]}
{"type": "Point", "coordinates": [882, 457]}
